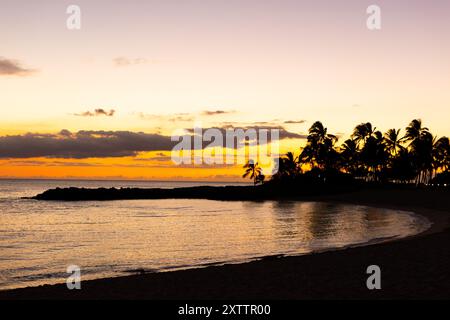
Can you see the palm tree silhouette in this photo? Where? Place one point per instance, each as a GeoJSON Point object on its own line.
{"type": "Point", "coordinates": [402, 167]}
{"type": "Point", "coordinates": [290, 164]}
{"type": "Point", "coordinates": [417, 157]}
{"type": "Point", "coordinates": [319, 149]}
{"type": "Point", "coordinates": [373, 155]}
{"type": "Point", "coordinates": [414, 131]}
{"type": "Point", "coordinates": [349, 156]}
{"type": "Point", "coordinates": [393, 141]}
{"type": "Point", "coordinates": [319, 134]}
{"type": "Point", "coordinates": [254, 171]}
{"type": "Point", "coordinates": [288, 167]}
{"type": "Point", "coordinates": [441, 154]}
{"type": "Point", "coordinates": [362, 132]}
{"type": "Point", "coordinates": [421, 145]}
{"type": "Point", "coordinates": [422, 149]}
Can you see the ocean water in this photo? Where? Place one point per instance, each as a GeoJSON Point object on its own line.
{"type": "Point", "coordinates": [39, 240]}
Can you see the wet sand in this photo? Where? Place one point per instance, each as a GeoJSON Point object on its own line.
{"type": "Point", "coordinates": [417, 267]}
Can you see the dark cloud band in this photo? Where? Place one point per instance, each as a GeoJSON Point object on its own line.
{"type": "Point", "coordinates": [99, 144]}
{"type": "Point", "coordinates": [83, 144]}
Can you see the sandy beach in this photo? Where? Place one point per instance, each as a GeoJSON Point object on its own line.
{"type": "Point", "coordinates": [412, 268]}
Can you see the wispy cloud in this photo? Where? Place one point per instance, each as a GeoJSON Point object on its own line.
{"type": "Point", "coordinates": [176, 117]}
{"type": "Point", "coordinates": [294, 121]}
{"type": "Point", "coordinates": [217, 112]}
{"type": "Point", "coordinates": [10, 67]}
{"type": "Point", "coordinates": [271, 123]}
{"type": "Point", "coordinates": [182, 117]}
{"type": "Point", "coordinates": [124, 62]}
{"type": "Point", "coordinates": [96, 113]}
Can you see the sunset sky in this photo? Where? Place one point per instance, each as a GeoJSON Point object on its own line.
{"type": "Point", "coordinates": [152, 67]}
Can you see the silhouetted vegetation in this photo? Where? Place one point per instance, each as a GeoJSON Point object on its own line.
{"type": "Point", "coordinates": [370, 156]}
{"type": "Point", "coordinates": [254, 172]}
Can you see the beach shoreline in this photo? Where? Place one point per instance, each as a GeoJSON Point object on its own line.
{"type": "Point", "coordinates": [413, 267]}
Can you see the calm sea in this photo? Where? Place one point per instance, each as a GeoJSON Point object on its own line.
{"type": "Point", "coordinates": [39, 240]}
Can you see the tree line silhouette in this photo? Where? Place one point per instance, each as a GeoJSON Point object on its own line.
{"type": "Point", "coordinates": [368, 155]}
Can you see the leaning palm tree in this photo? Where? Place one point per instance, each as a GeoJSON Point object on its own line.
{"type": "Point", "coordinates": [362, 132]}
{"type": "Point", "coordinates": [393, 141]}
{"type": "Point", "coordinates": [414, 131]}
{"type": "Point", "coordinates": [253, 171]}
{"type": "Point", "coordinates": [318, 133]}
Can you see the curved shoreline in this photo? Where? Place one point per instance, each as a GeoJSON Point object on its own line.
{"type": "Point", "coordinates": [272, 277]}
{"type": "Point", "coordinates": [422, 222]}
